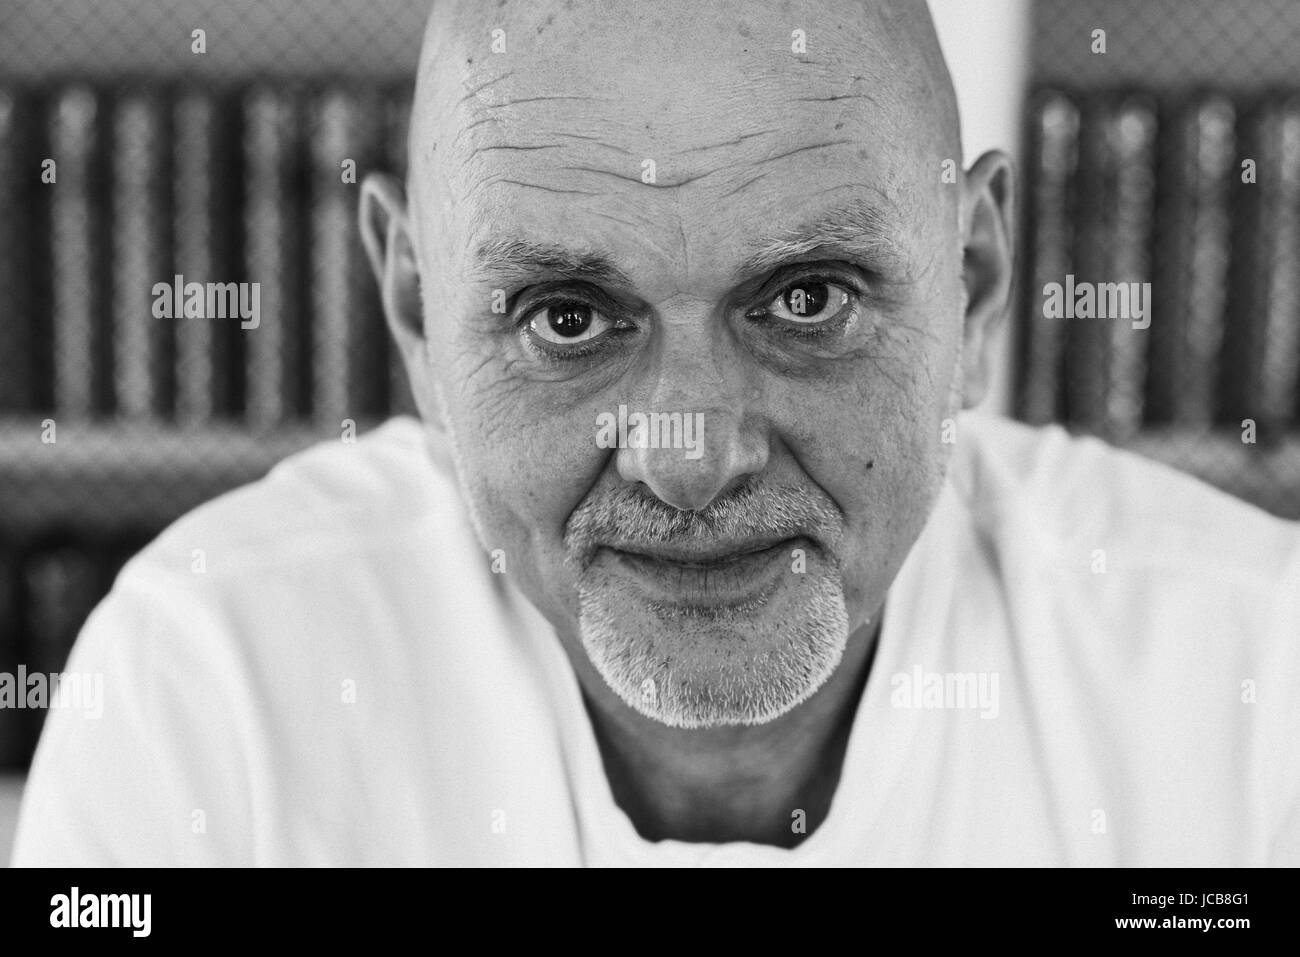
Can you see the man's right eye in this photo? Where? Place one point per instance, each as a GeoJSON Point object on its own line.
{"type": "Point", "coordinates": [568, 322]}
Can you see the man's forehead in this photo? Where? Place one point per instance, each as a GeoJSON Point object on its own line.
{"type": "Point", "coordinates": [639, 78]}
{"type": "Point", "coordinates": [670, 152]}
{"type": "Point", "coordinates": [671, 97]}
{"type": "Point", "coordinates": [677, 211]}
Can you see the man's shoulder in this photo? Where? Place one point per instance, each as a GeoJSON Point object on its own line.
{"type": "Point", "coordinates": [1070, 492]}
{"type": "Point", "coordinates": [317, 504]}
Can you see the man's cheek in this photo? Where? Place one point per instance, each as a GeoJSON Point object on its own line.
{"type": "Point", "coordinates": [488, 397]}
{"type": "Point", "coordinates": [530, 464]}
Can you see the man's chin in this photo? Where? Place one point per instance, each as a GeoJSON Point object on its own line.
{"type": "Point", "coordinates": [742, 648]}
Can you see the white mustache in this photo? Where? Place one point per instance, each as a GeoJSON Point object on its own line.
{"type": "Point", "coordinates": [628, 515]}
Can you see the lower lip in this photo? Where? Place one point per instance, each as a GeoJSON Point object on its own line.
{"type": "Point", "coordinates": [738, 580]}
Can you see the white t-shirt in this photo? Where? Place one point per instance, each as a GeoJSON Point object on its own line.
{"type": "Point", "coordinates": [346, 682]}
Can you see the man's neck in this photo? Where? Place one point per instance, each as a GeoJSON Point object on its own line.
{"type": "Point", "coordinates": [768, 784]}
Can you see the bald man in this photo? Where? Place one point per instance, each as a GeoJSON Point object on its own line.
{"type": "Point", "coordinates": [694, 555]}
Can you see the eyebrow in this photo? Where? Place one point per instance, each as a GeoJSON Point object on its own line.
{"type": "Point", "coordinates": [857, 230]}
{"type": "Point", "coordinates": [505, 259]}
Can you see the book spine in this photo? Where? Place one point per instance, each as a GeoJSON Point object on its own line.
{"type": "Point", "coordinates": [141, 239]}
{"type": "Point", "coordinates": [1087, 341]}
{"type": "Point", "coordinates": [61, 585]}
{"type": "Point", "coordinates": [13, 733]}
{"type": "Point", "coordinates": [347, 348]}
{"type": "Point", "coordinates": [1261, 370]}
{"type": "Point", "coordinates": [1191, 280]}
{"type": "Point", "coordinates": [75, 260]}
{"type": "Point", "coordinates": [1279, 360]}
{"type": "Point", "coordinates": [1054, 147]}
{"type": "Point", "coordinates": [1133, 149]}
{"type": "Point", "coordinates": [273, 255]}
{"type": "Point", "coordinates": [19, 178]}
{"type": "Point", "coordinates": [194, 229]}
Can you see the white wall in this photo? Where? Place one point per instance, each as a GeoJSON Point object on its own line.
{"type": "Point", "coordinates": [986, 43]}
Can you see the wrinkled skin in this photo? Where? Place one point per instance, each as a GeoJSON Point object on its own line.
{"type": "Point", "coordinates": [546, 142]}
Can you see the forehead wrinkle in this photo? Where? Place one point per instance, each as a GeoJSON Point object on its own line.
{"type": "Point", "coordinates": [545, 98]}
{"type": "Point", "coordinates": [631, 177]}
{"type": "Point", "coordinates": [526, 185]}
{"type": "Point", "coordinates": [882, 45]}
{"type": "Point", "coordinates": [473, 94]}
{"type": "Point", "coordinates": [547, 131]}
{"type": "Point", "coordinates": [733, 142]}
{"type": "Point", "coordinates": [467, 116]}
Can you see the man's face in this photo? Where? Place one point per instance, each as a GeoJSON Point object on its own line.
{"type": "Point", "coordinates": [756, 239]}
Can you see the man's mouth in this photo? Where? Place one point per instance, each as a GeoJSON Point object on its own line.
{"type": "Point", "coordinates": [708, 573]}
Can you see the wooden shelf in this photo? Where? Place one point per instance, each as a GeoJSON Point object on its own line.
{"type": "Point", "coordinates": [116, 475]}
{"type": "Point", "coordinates": [146, 449]}
{"type": "Point", "coordinates": [1268, 476]}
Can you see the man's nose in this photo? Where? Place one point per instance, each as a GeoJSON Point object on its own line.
{"type": "Point", "coordinates": [700, 412]}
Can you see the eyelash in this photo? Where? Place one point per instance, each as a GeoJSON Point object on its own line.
{"type": "Point", "coordinates": [574, 353]}
{"type": "Point", "coordinates": [621, 325]}
{"type": "Point", "coordinates": [812, 330]}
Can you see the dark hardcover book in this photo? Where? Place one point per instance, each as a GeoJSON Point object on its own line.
{"type": "Point", "coordinates": [348, 349]}
{"type": "Point", "coordinates": [1278, 356]}
{"type": "Point", "coordinates": [1106, 346]}
{"type": "Point", "coordinates": [141, 241]}
{"type": "Point", "coordinates": [1054, 146]}
{"type": "Point", "coordinates": [19, 180]}
{"type": "Point", "coordinates": [1086, 348]}
{"type": "Point", "coordinates": [13, 730]}
{"type": "Point", "coordinates": [275, 343]}
{"type": "Point", "coordinates": [1191, 280]}
{"type": "Point", "coordinates": [1262, 349]}
{"type": "Point", "coordinates": [400, 400]}
{"type": "Point", "coordinates": [1133, 147]}
{"type": "Point", "coordinates": [199, 212]}
{"type": "Point", "coordinates": [80, 292]}
{"type": "Point", "coordinates": [61, 585]}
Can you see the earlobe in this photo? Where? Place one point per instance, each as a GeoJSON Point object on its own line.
{"type": "Point", "coordinates": [989, 257]}
{"type": "Point", "coordinates": [385, 233]}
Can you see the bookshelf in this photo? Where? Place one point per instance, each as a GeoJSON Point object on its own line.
{"type": "Point", "coordinates": [1264, 475]}
{"type": "Point", "coordinates": [99, 477]}
{"type": "Point", "coordinates": [158, 174]}
{"type": "Point", "coordinates": [1172, 162]}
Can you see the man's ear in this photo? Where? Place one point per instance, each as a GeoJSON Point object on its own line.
{"type": "Point", "coordinates": [386, 235]}
{"type": "Point", "coordinates": [988, 211]}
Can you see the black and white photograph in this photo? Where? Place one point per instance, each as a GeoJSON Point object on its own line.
{"type": "Point", "coordinates": [671, 433]}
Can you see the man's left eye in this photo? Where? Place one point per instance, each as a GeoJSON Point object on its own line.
{"type": "Point", "coordinates": [809, 302]}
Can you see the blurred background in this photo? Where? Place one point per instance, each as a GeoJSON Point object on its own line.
{"type": "Point", "coordinates": [1165, 149]}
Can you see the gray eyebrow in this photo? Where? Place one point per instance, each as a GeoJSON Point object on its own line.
{"type": "Point", "coordinates": [857, 228]}
{"type": "Point", "coordinates": [503, 259]}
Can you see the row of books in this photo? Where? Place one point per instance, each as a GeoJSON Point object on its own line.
{"type": "Point", "coordinates": [47, 590]}
{"type": "Point", "coordinates": [110, 191]}
{"type": "Point", "coordinates": [1198, 196]}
